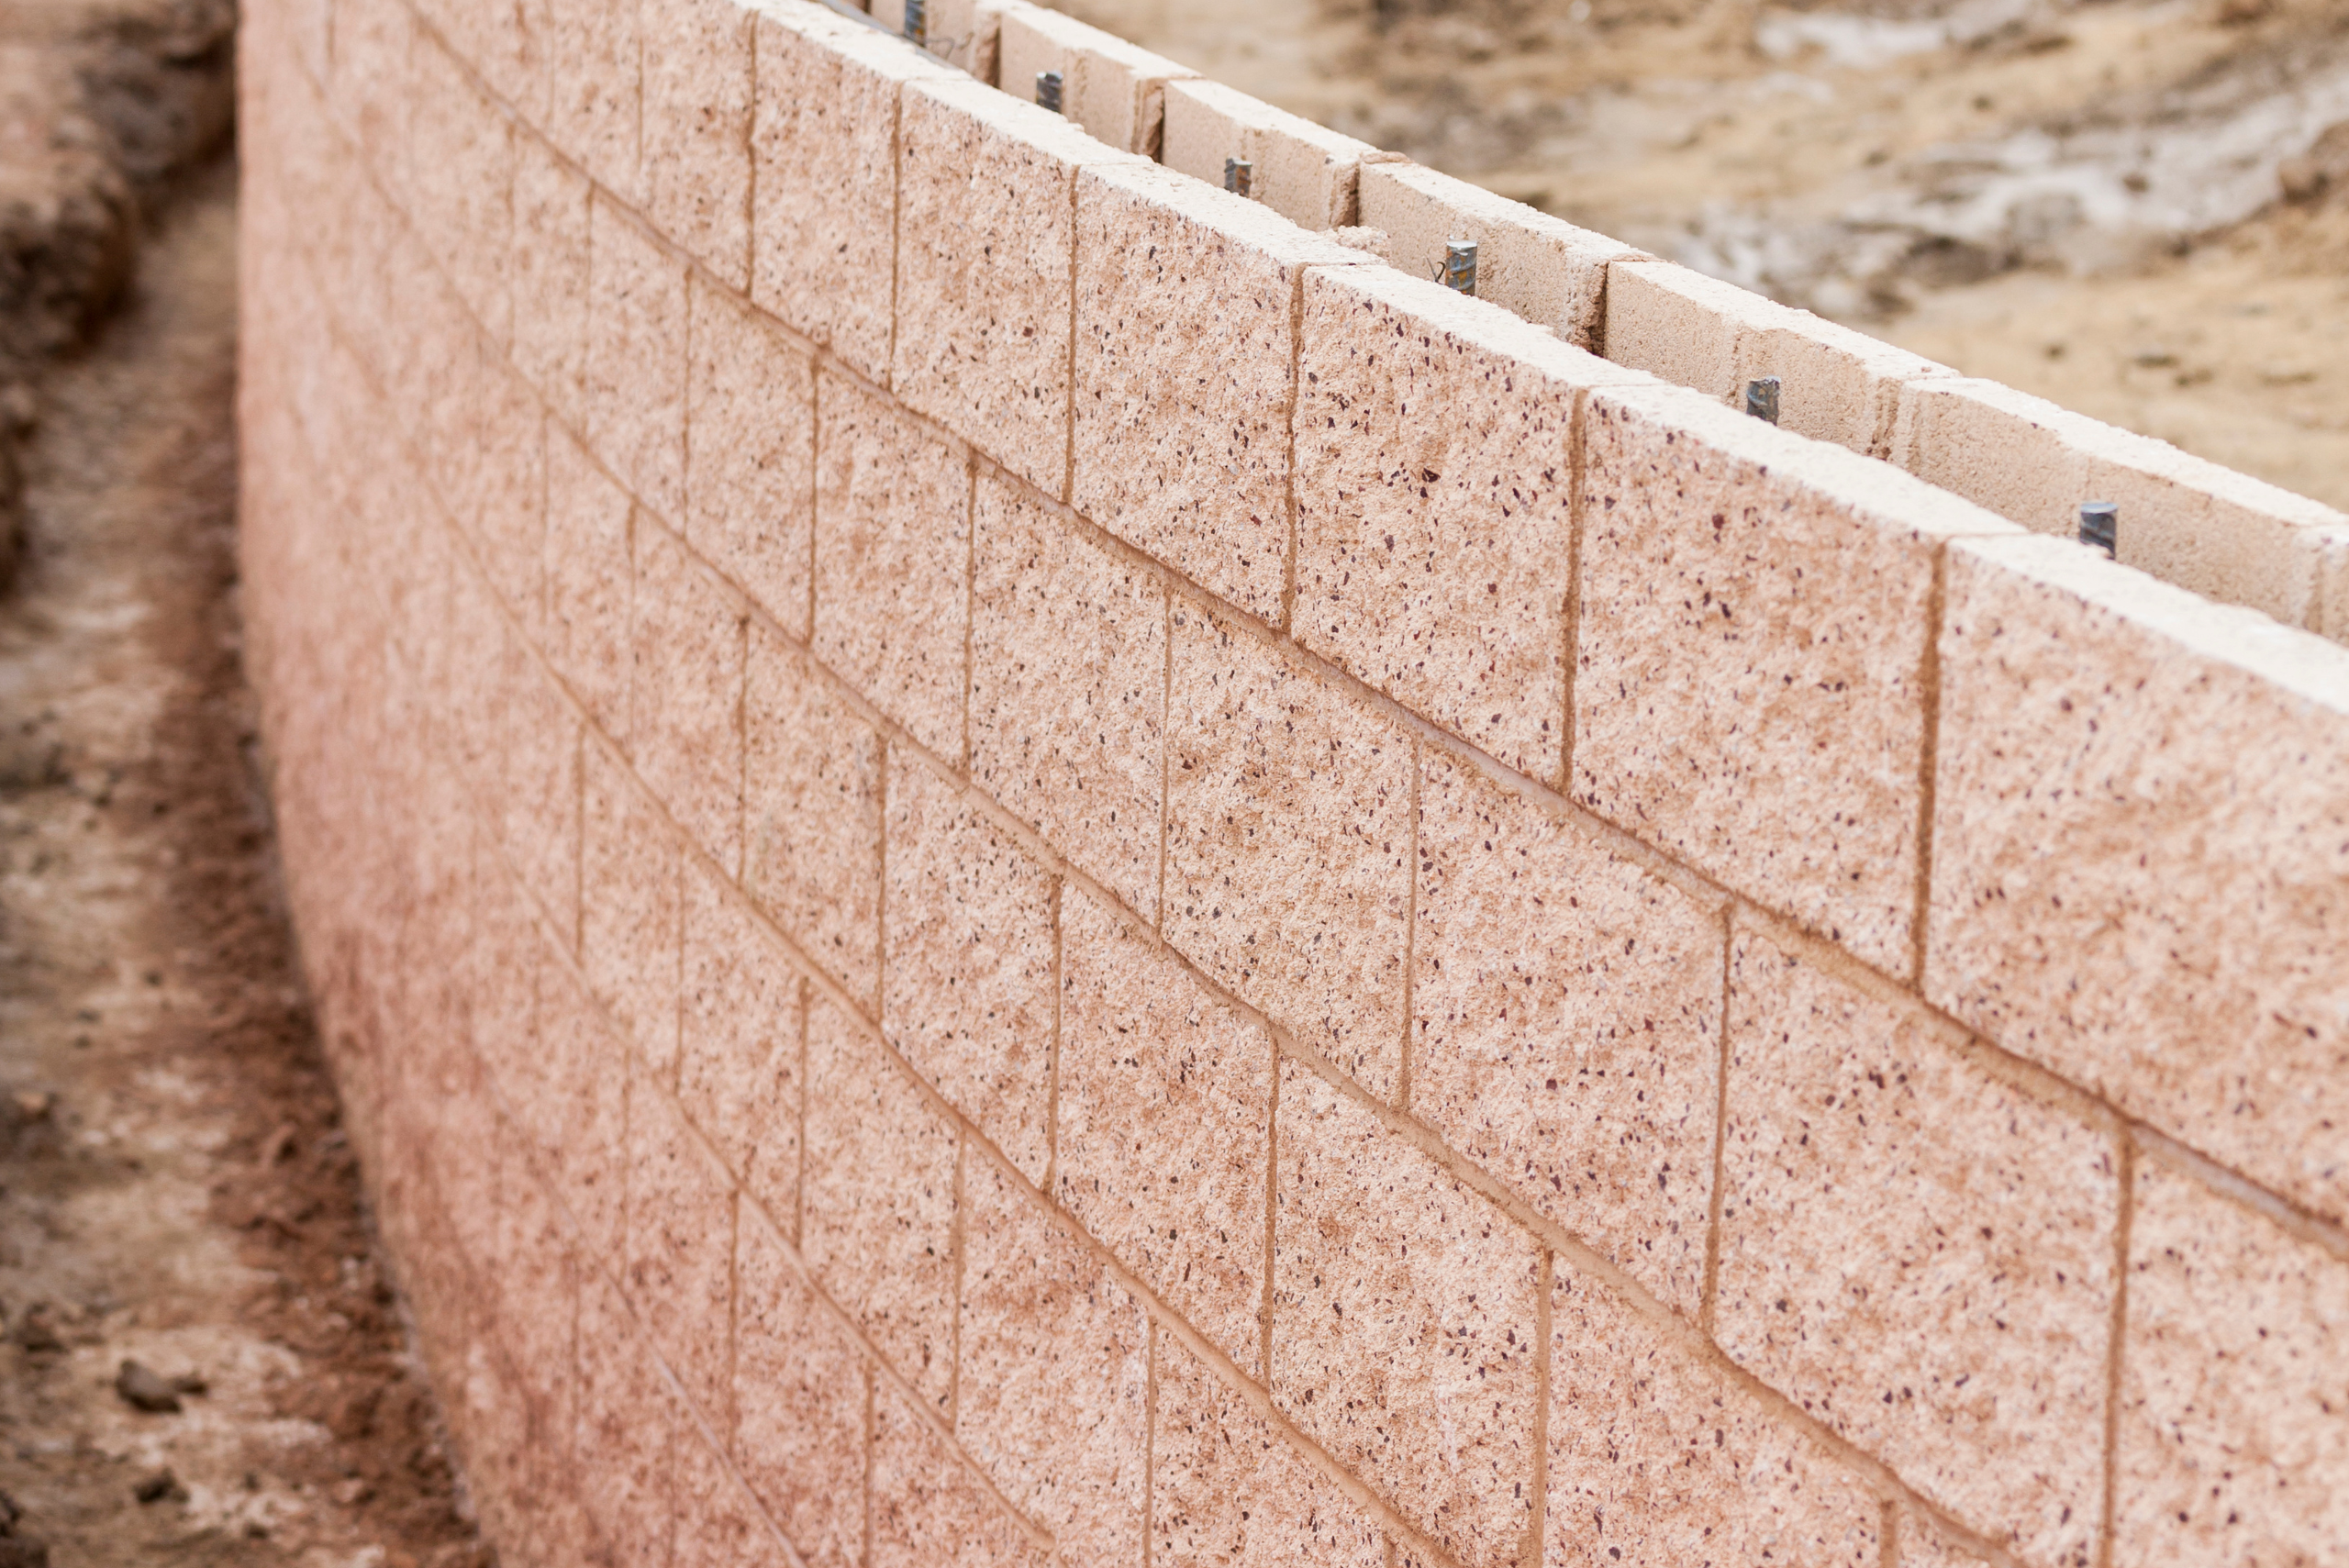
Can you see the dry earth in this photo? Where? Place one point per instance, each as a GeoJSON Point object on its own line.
{"type": "Point", "coordinates": [173, 1188]}
{"type": "Point", "coordinates": [2139, 208]}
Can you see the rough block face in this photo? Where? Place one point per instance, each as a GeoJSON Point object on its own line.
{"type": "Point", "coordinates": [1566, 1024]}
{"type": "Point", "coordinates": [537, 811]}
{"type": "Point", "coordinates": [928, 1506]}
{"type": "Point", "coordinates": [1917, 1252]}
{"type": "Point", "coordinates": [2186, 951]}
{"type": "Point", "coordinates": [588, 579]}
{"type": "Point", "coordinates": [696, 129]}
{"type": "Point", "coordinates": [893, 556]}
{"type": "Point", "coordinates": [1165, 1119]}
{"type": "Point", "coordinates": [800, 1387]}
{"type": "Point", "coordinates": [750, 454]}
{"type": "Point", "coordinates": [1657, 1459]}
{"type": "Point", "coordinates": [1749, 689]}
{"type": "Point", "coordinates": [680, 1260]}
{"type": "Point", "coordinates": [970, 959]}
{"type": "Point", "coordinates": [1068, 688]}
{"type": "Point", "coordinates": [622, 1445]}
{"type": "Point", "coordinates": [1186, 351]}
{"type": "Point", "coordinates": [549, 275]}
{"type": "Point", "coordinates": [1404, 1310]}
{"type": "Point", "coordinates": [1434, 506]}
{"type": "Point", "coordinates": [811, 813]}
{"type": "Point", "coordinates": [628, 925]}
{"type": "Point", "coordinates": [741, 1022]}
{"type": "Point", "coordinates": [1304, 173]}
{"type": "Point", "coordinates": [1227, 1489]}
{"type": "Point", "coordinates": [635, 377]}
{"type": "Point", "coordinates": [984, 236]}
{"type": "Point", "coordinates": [878, 1200]}
{"type": "Point", "coordinates": [594, 73]}
{"type": "Point", "coordinates": [1287, 844]}
{"type": "Point", "coordinates": [1052, 1396]}
{"type": "Point", "coordinates": [686, 693]}
{"type": "Point", "coordinates": [2232, 1448]}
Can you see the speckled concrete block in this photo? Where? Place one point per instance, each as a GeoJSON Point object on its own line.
{"type": "Point", "coordinates": [1165, 1110]}
{"type": "Point", "coordinates": [1542, 268]}
{"type": "Point", "coordinates": [596, 99]}
{"type": "Point", "coordinates": [750, 454]}
{"type": "Point", "coordinates": [679, 1266]}
{"type": "Point", "coordinates": [1185, 363]}
{"type": "Point", "coordinates": [800, 1387]}
{"type": "Point", "coordinates": [1287, 844]}
{"type": "Point", "coordinates": [462, 212]}
{"type": "Point", "coordinates": [1306, 173]}
{"type": "Point", "coordinates": [496, 490]}
{"type": "Point", "coordinates": [984, 234]}
{"type": "Point", "coordinates": [927, 1506]}
{"type": "Point", "coordinates": [967, 33]}
{"type": "Point", "coordinates": [2140, 853]}
{"type": "Point", "coordinates": [685, 723]}
{"type": "Point", "coordinates": [697, 133]}
{"type": "Point", "coordinates": [824, 148]}
{"type": "Point", "coordinates": [1404, 1310]}
{"type": "Point", "coordinates": [1566, 1024]}
{"type": "Point", "coordinates": [811, 814]}
{"type": "Point", "coordinates": [877, 1200]}
{"type": "Point", "coordinates": [1434, 504]}
{"type": "Point", "coordinates": [1068, 688]}
{"type": "Point", "coordinates": [622, 1444]}
{"type": "Point", "coordinates": [575, 1109]}
{"type": "Point", "coordinates": [969, 962]}
{"type": "Point", "coordinates": [742, 1017]}
{"type": "Point", "coordinates": [2005, 450]}
{"type": "Point", "coordinates": [1752, 665]}
{"type": "Point", "coordinates": [1917, 1251]}
{"type": "Point", "coordinates": [1659, 1457]}
{"type": "Point", "coordinates": [719, 1523]}
{"type": "Point", "coordinates": [635, 379]}
{"type": "Point", "coordinates": [1116, 91]}
{"type": "Point", "coordinates": [1053, 1381]}
{"type": "Point", "coordinates": [1230, 1491]}
{"type": "Point", "coordinates": [548, 274]}
{"type": "Point", "coordinates": [2233, 1446]}
{"type": "Point", "coordinates": [1836, 384]}
{"type": "Point", "coordinates": [628, 908]}
{"type": "Point", "coordinates": [893, 553]}
{"type": "Point", "coordinates": [588, 581]}
{"type": "Point", "coordinates": [537, 810]}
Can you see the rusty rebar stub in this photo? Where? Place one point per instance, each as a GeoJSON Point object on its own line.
{"type": "Point", "coordinates": [2100, 526]}
{"type": "Point", "coordinates": [1762, 398]}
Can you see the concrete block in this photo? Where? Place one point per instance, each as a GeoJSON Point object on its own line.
{"type": "Point", "coordinates": [685, 723]}
{"type": "Point", "coordinates": [595, 101]}
{"type": "Point", "coordinates": [893, 551]}
{"type": "Point", "coordinates": [969, 962]}
{"type": "Point", "coordinates": [1052, 1390]}
{"type": "Point", "coordinates": [1303, 171]}
{"type": "Point", "coordinates": [697, 130]}
{"type": "Point", "coordinates": [1569, 1045]}
{"type": "Point", "coordinates": [635, 386]}
{"type": "Point", "coordinates": [1287, 844]}
{"type": "Point", "coordinates": [548, 276]}
{"type": "Point", "coordinates": [2140, 853]}
{"type": "Point", "coordinates": [800, 1387]}
{"type": "Point", "coordinates": [537, 810]}
{"type": "Point", "coordinates": [1658, 1457]}
{"type": "Point", "coordinates": [1836, 384]}
{"type": "Point", "coordinates": [1542, 268]}
{"type": "Point", "coordinates": [573, 1105]}
{"type": "Point", "coordinates": [751, 453]}
{"type": "Point", "coordinates": [824, 151]}
{"type": "Point", "coordinates": [622, 1446]}
{"type": "Point", "coordinates": [2231, 1447]}
{"type": "Point", "coordinates": [1115, 90]}
{"type": "Point", "coordinates": [1185, 367]}
{"type": "Point", "coordinates": [497, 488]}
{"type": "Point", "coordinates": [1404, 1310]}
{"type": "Point", "coordinates": [1166, 1114]}
{"type": "Point", "coordinates": [1068, 688]}
{"type": "Point", "coordinates": [877, 1200]}
{"type": "Point", "coordinates": [927, 1506]}
{"type": "Point", "coordinates": [587, 578]}
{"type": "Point", "coordinates": [1434, 504]}
{"type": "Point", "coordinates": [1955, 1322]}
{"type": "Point", "coordinates": [741, 1022]}
{"type": "Point", "coordinates": [507, 44]}
{"type": "Point", "coordinates": [983, 349]}
{"type": "Point", "coordinates": [2016, 454]}
{"type": "Point", "coordinates": [811, 810]}
{"type": "Point", "coordinates": [720, 1524]}
{"type": "Point", "coordinates": [373, 92]}
{"type": "Point", "coordinates": [1751, 663]}
{"type": "Point", "coordinates": [1924, 1544]}
{"type": "Point", "coordinates": [966, 33]}
{"type": "Point", "coordinates": [464, 211]}
{"type": "Point", "coordinates": [678, 1270]}
{"type": "Point", "coordinates": [628, 908]}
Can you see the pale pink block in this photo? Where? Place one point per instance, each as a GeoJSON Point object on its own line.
{"type": "Point", "coordinates": [596, 99]}
{"type": "Point", "coordinates": [751, 453]}
{"type": "Point", "coordinates": [685, 724]}
{"type": "Point", "coordinates": [696, 129]}
{"type": "Point", "coordinates": [802, 1388]}
{"type": "Point", "coordinates": [627, 907]}
{"type": "Point", "coordinates": [635, 381]}
{"type": "Point", "coordinates": [679, 1266]}
{"type": "Point", "coordinates": [741, 1042]}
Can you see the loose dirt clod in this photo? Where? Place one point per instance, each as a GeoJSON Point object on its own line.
{"type": "Point", "coordinates": [143, 1388]}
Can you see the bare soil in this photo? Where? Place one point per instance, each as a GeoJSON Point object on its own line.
{"type": "Point", "coordinates": [174, 1187]}
{"type": "Point", "coordinates": [2139, 208]}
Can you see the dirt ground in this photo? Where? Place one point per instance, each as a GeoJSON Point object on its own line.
{"type": "Point", "coordinates": [173, 1188]}
{"type": "Point", "coordinates": [2139, 208]}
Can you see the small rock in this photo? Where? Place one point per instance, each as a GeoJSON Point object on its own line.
{"type": "Point", "coordinates": [10, 1514]}
{"type": "Point", "coordinates": [34, 1332]}
{"type": "Point", "coordinates": [351, 1493]}
{"type": "Point", "coordinates": [147, 1389]}
{"type": "Point", "coordinates": [33, 1105]}
{"type": "Point", "coordinates": [2303, 179]}
{"type": "Point", "coordinates": [161, 1486]}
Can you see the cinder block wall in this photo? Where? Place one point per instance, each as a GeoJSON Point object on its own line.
{"type": "Point", "coordinates": [1006, 863]}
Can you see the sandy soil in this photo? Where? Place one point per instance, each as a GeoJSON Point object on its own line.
{"type": "Point", "coordinates": [173, 1188]}
{"type": "Point", "coordinates": [2084, 199]}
